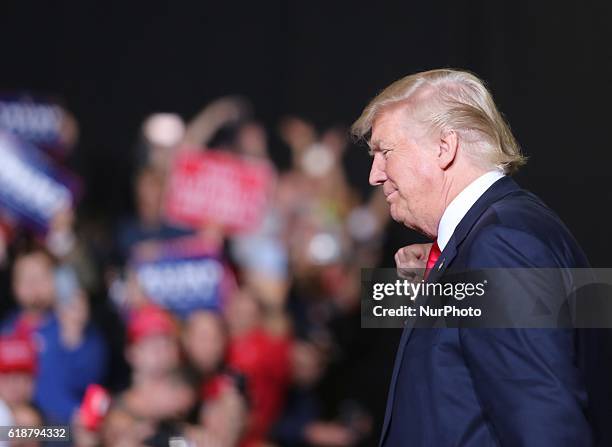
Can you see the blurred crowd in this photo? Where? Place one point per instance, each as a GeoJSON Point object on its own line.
{"type": "Point", "coordinates": [282, 361]}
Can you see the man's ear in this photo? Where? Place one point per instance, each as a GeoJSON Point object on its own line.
{"type": "Point", "coordinates": [447, 148]}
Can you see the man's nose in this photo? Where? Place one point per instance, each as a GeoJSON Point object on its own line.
{"type": "Point", "coordinates": [377, 172]}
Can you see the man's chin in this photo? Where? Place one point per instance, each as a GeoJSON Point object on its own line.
{"type": "Point", "coordinates": [396, 213]}
{"type": "Point", "coordinates": [394, 216]}
{"type": "Point", "coordinates": [399, 218]}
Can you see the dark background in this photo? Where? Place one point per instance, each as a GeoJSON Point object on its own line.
{"type": "Point", "coordinates": [548, 64]}
{"type": "Point", "coordinates": [113, 63]}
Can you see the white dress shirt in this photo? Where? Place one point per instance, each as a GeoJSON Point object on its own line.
{"type": "Point", "coordinates": [460, 205]}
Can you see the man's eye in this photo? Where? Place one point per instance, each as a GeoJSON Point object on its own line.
{"type": "Point", "coordinates": [385, 152]}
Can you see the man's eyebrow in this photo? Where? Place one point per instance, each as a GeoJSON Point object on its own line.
{"type": "Point", "coordinates": [371, 150]}
{"type": "Point", "coordinates": [377, 146]}
{"type": "Point", "coordinates": [373, 146]}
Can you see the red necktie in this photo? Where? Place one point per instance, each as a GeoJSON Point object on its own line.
{"type": "Point", "coordinates": [434, 254]}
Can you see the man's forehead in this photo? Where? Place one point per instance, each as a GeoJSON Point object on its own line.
{"type": "Point", "coordinates": [394, 125]}
{"type": "Point", "coordinates": [386, 128]}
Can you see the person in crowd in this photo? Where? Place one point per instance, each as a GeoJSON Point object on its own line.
{"type": "Point", "coordinates": [262, 357]}
{"type": "Point", "coordinates": [152, 412]}
{"type": "Point", "coordinates": [69, 248]}
{"type": "Point", "coordinates": [148, 223]}
{"type": "Point", "coordinates": [53, 309]}
{"type": "Point", "coordinates": [153, 349]}
{"type": "Point", "coordinates": [221, 114]}
{"type": "Point", "coordinates": [224, 413]}
{"type": "Point", "coordinates": [161, 394]}
{"type": "Point", "coordinates": [73, 352]}
{"type": "Point", "coordinates": [204, 340]}
{"type": "Point", "coordinates": [224, 410]}
{"type": "Point", "coordinates": [18, 361]}
{"type": "Point", "coordinates": [33, 288]}
{"type": "Point", "coordinates": [302, 423]}
{"type": "Point", "coordinates": [27, 415]}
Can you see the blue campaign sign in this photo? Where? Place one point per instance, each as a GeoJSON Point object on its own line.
{"type": "Point", "coordinates": [184, 278]}
{"type": "Point", "coordinates": [42, 122]}
{"type": "Point", "coordinates": [32, 188]}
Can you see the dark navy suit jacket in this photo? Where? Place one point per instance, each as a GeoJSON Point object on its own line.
{"type": "Point", "coordinates": [493, 387]}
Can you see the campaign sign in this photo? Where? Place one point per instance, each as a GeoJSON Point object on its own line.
{"type": "Point", "coordinates": [215, 187]}
{"type": "Point", "coordinates": [181, 275]}
{"type": "Point", "coordinates": [35, 120]}
{"type": "Point", "coordinates": [32, 188]}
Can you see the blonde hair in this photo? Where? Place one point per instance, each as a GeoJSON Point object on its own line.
{"type": "Point", "coordinates": [455, 100]}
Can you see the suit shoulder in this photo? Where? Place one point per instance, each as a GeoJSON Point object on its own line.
{"type": "Point", "coordinates": [525, 233]}
{"type": "Point", "coordinates": [526, 212]}
{"type": "Point", "coordinates": [498, 245]}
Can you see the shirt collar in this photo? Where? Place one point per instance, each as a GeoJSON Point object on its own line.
{"type": "Point", "coordinates": [460, 205]}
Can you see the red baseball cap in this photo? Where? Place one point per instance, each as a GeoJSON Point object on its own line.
{"type": "Point", "coordinates": [17, 354]}
{"type": "Point", "coordinates": [150, 320]}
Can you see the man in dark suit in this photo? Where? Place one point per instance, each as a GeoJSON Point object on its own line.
{"type": "Point", "coordinates": [443, 155]}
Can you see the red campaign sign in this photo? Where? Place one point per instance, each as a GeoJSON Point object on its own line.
{"type": "Point", "coordinates": [217, 187]}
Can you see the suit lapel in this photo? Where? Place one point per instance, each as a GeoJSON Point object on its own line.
{"type": "Point", "coordinates": [498, 190]}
